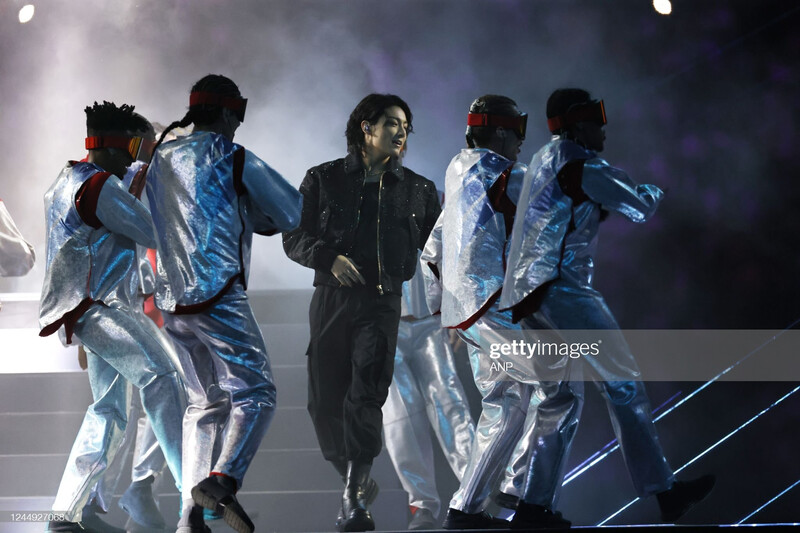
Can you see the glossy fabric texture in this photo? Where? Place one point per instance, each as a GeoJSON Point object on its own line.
{"type": "Point", "coordinates": [98, 440]}
{"type": "Point", "coordinates": [271, 204]}
{"type": "Point", "coordinates": [513, 479]}
{"type": "Point", "coordinates": [148, 459]}
{"type": "Point", "coordinates": [204, 228]}
{"type": "Point", "coordinates": [571, 303]}
{"type": "Point", "coordinates": [413, 302]}
{"type": "Point", "coordinates": [229, 386]}
{"type": "Point", "coordinates": [16, 254]}
{"type": "Point", "coordinates": [474, 241]}
{"type": "Point", "coordinates": [627, 401]}
{"type": "Point", "coordinates": [135, 350]}
{"type": "Point", "coordinates": [542, 220]}
{"type": "Point", "coordinates": [504, 408]}
{"type": "Point", "coordinates": [425, 394]}
{"type": "Point", "coordinates": [535, 251]}
{"type": "Point", "coordinates": [84, 262]}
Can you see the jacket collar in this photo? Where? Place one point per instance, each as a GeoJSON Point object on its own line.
{"type": "Point", "coordinates": [353, 163]}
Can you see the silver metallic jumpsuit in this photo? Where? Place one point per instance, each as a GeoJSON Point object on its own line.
{"type": "Point", "coordinates": [425, 393]}
{"type": "Point", "coordinates": [90, 288]}
{"type": "Point", "coordinates": [148, 458]}
{"type": "Point", "coordinates": [468, 246]}
{"type": "Point", "coordinates": [546, 216]}
{"type": "Point", "coordinates": [207, 196]}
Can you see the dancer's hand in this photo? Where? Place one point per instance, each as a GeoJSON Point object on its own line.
{"type": "Point", "coordinates": [346, 272]}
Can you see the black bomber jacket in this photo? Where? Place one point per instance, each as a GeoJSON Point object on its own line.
{"type": "Point", "coordinates": [332, 194]}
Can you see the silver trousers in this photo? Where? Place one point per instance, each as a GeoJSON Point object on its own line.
{"type": "Point", "coordinates": [121, 344]}
{"type": "Point", "coordinates": [505, 404]}
{"type": "Point", "coordinates": [556, 417]}
{"type": "Point", "coordinates": [425, 394]}
{"type": "Point", "coordinates": [148, 459]}
{"type": "Point", "coordinates": [229, 386]}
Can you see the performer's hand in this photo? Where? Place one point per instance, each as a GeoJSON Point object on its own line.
{"type": "Point", "coordinates": [346, 272]}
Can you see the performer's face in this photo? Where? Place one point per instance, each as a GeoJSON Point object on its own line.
{"type": "Point", "coordinates": [387, 137]}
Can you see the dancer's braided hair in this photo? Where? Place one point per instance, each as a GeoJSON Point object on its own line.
{"type": "Point", "coordinates": [204, 113]}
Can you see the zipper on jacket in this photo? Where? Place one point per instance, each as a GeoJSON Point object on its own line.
{"type": "Point", "coordinates": [378, 235]}
{"type": "Point", "coordinates": [358, 211]}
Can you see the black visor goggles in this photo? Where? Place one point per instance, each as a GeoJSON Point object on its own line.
{"type": "Point", "coordinates": [594, 111]}
{"type": "Point", "coordinates": [236, 104]}
{"type": "Point", "coordinates": [139, 148]}
{"type": "Point", "coordinates": [518, 124]}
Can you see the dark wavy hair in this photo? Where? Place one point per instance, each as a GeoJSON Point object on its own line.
{"type": "Point", "coordinates": [107, 117]}
{"type": "Point", "coordinates": [205, 114]}
{"type": "Point", "coordinates": [371, 108]}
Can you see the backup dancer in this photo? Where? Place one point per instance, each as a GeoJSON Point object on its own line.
{"type": "Point", "coordinates": [466, 255]}
{"type": "Point", "coordinates": [364, 218]}
{"type": "Point", "coordinates": [208, 195]}
{"type": "Point", "coordinates": [426, 393]}
{"type": "Point", "coordinates": [90, 291]}
{"type": "Point", "coordinates": [567, 192]}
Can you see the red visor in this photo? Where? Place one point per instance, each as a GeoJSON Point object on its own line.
{"type": "Point", "coordinates": [236, 104]}
{"type": "Point", "coordinates": [519, 123]}
{"type": "Point", "coordinates": [594, 111]}
{"type": "Point", "coordinates": [138, 147]}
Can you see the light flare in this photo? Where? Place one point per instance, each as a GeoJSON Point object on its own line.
{"type": "Point", "coordinates": [662, 7]}
{"type": "Point", "coordinates": [26, 13]}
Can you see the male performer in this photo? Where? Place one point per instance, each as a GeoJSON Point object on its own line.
{"type": "Point", "coordinates": [567, 192]}
{"type": "Point", "coordinates": [208, 195]}
{"type": "Point", "coordinates": [466, 253]}
{"type": "Point", "coordinates": [426, 393]}
{"type": "Point", "coordinates": [94, 223]}
{"type": "Point", "coordinates": [364, 217]}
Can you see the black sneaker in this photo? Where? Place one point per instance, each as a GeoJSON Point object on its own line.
{"type": "Point", "coordinates": [456, 519]}
{"type": "Point", "coordinates": [532, 516]}
{"type": "Point", "coordinates": [507, 501]}
{"type": "Point", "coordinates": [62, 526]}
{"type": "Point", "coordinates": [218, 493]}
{"type": "Point", "coordinates": [682, 496]}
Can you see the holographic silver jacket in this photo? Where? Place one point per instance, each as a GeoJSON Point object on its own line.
{"type": "Point", "coordinates": [16, 254]}
{"type": "Point", "coordinates": [469, 254]}
{"type": "Point", "coordinates": [413, 302]}
{"type": "Point", "coordinates": [207, 196]}
{"type": "Point", "coordinates": [88, 264]}
{"type": "Point", "coordinates": [545, 215]}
